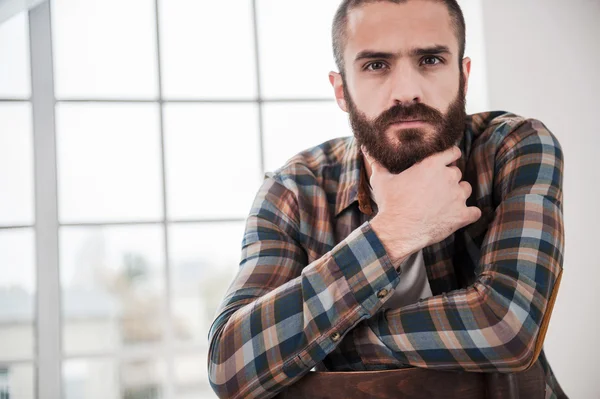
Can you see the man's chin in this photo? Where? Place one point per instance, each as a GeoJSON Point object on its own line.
{"type": "Point", "coordinates": [399, 137]}
{"type": "Point", "coordinates": [400, 156]}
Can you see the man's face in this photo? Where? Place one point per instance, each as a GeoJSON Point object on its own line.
{"type": "Point", "coordinates": [403, 86]}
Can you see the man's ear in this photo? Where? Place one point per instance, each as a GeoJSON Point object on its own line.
{"type": "Point", "coordinates": [466, 67]}
{"type": "Point", "coordinates": [337, 83]}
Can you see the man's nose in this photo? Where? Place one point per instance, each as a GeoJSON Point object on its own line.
{"type": "Point", "coordinates": [406, 88]}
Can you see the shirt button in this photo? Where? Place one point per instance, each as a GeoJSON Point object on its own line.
{"type": "Point", "coordinates": [335, 336]}
{"type": "Point", "coordinates": [382, 293]}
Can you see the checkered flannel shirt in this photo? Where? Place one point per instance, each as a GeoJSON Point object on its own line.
{"type": "Point", "coordinates": [314, 278]}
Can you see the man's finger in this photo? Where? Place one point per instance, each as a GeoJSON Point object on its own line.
{"type": "Point", "coordinates": [450, 155]}
{"type": "Point", "coordinates": [457, 172]}
{"type": "Point", "coordinates": [474, 214]}
{"type": "Point", "coordinates": [375, 166]}
{"type": "Point", "coordinates": [466, 188]}
{"type": "Point", "coordinates": [366, 155]}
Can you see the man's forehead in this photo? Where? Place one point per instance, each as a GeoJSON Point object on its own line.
{"type": "Point", "coordinates": [387, 26]}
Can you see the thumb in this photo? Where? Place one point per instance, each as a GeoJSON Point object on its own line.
{"type": "Point", "coordinates": [377, 171]}
{"type": "Point", "coordinates": [369, 159]}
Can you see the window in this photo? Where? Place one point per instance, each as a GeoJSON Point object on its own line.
{"type": "Point", "coordinates": [17, 238]}
{"type": "Point", "coordinates": [162, 140]}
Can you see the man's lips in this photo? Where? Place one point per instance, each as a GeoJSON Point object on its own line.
{"type": "Point", "coordinates": [409, 123]}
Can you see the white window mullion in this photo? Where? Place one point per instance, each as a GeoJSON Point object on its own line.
{"type": "Point", "coordinates": [48, 314]}
{"type": "Point", "coordinates": [168, 339]}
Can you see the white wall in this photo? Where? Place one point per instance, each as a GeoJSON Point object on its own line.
{"type": "Point", "coordinates": [477, 95]}
{"type": "Point", "coordinates": [543, 61]}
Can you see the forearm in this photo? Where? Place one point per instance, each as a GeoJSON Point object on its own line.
{"type": "Point", "coordinates": [477, 329]}
{"type": "Point", "coordinates": [264, 340]}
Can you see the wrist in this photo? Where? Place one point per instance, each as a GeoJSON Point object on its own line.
{"type": "Point", "coordinates": [397, 245]}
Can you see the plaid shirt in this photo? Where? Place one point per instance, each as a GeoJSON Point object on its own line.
{"type": "Point", "coordinates": [314, 279]}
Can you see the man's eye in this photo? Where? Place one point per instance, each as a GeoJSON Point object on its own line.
{"type": "Point", "coordinates": [375, 66]}
{"type": "Point", "coordinates": [430, 60]}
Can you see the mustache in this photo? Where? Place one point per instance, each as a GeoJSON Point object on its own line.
{"type": "Point", "coordinates": [399, 113]}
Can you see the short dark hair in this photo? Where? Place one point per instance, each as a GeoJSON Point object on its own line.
{"type": "Point", "coordinates": [340, 21]}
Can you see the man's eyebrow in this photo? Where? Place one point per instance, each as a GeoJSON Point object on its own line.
{"type": "Point", "coordinates": [370, 54]}
{"type": "Point", "coordinates": [430, 50]}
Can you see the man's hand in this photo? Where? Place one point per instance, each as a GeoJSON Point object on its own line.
{"type": "Point", "coordinates": [420, 206]}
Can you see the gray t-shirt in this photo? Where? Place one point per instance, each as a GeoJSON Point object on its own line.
{"type": "Point", "coordinates": [414, 284]}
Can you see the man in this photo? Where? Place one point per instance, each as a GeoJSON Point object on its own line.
{"type": "Point", "coordinates": [429, 239]}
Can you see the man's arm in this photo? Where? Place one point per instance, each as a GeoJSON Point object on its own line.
{"type": "Point", "coordinates": [281, 316]}
{"type": "Point", "coordinates": [494, 324]}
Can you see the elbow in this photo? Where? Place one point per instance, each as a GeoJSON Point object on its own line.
{"type": "Point", "coordinates": [527, 347]}
{"type": "Point", "coordinates": [524, 360]}
{"type": "Point", "coordinates": [218, 376]}
{"type": "Point", "coordinates": [541, 321]}
{"type": "Point", "coordinates": [227, 384]}
{"type": "Point", "coordinates": [520, 324]}
{"type": "Point", "coordinates": [225, 376]}
{"type": "Point", "coordinates": [512, 356]}
{"type": "Point", "coordinates": [517, 351]}
{"type": "Point", "coordinates": [220, 380]}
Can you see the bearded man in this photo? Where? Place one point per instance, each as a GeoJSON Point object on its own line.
{"type": "Point", "coordinates": [430, 239]}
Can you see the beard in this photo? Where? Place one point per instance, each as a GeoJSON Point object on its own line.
{"type": "Point", "coordinates": [402, 148]}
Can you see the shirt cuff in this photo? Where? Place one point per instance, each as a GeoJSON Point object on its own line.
{"type": "Point", "coordinates": [367, 268]}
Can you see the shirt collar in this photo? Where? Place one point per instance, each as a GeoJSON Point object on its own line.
{"type": "Point", "coordinates": [352, 164]}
